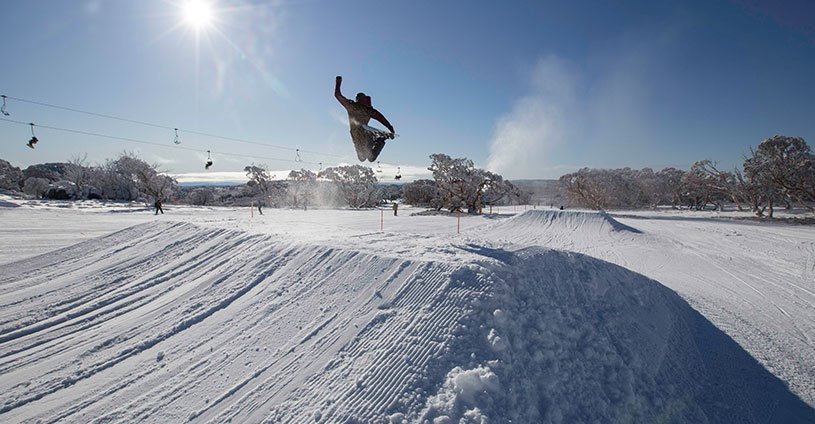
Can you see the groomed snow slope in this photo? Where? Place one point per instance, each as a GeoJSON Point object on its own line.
{"type": "Point", "coordinates": [171, 322]}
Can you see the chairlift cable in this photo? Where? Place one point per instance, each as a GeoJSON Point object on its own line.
{"type": "Point", "coordinates": [133, 140]}
{"type": "Point", "coordinates": [150, 124]}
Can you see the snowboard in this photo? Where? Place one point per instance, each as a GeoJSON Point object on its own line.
{"type": "Point", "coordinates": [379, 134]}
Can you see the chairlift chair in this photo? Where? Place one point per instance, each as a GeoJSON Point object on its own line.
{"type": "Point", "coordinates": [3, 108]}
{"type": "Point", "coordinates": [34, 139]}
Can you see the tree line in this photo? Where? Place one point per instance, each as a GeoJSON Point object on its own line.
{"type": "Point", "coordinates": [779, 172]}
{"type": "Point", "coordinates": [126, 178]}
{"type": "Point", "coordinates": [457, 185]}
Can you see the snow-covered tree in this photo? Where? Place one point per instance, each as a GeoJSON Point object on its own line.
{"type": "Point", "coordinates": [261, 185]}
{"type": "Point", "coordinates": [79, 173]}
{"type": "Point", "coordinates": [62, 190]}
{"type": "Point", "coordinates": [497, 190]}
{"type": "Point", "coordinates": [356, 184]}
{"type": "Point", "coordinates": [584, 188]}
{"type": "Point", "coordinates": [141, 177]}
{"type": "Point", "coordinates": [302, 185]}
{"type": "Point", "coordinates": [112, 184]}
{"type": "Point", "coordinates": [11, 177]}
{"type": "Point", "coordinates": [752, 191]}
{"type": "Point", "coordinates": [706, 184]}
{"type": "Point", "coordinates": [259, 178]}
{"type": "Point", "coordinates": [35, 186]}
{"type": "Point", "coordinates": [624, 187]}
{"type": "Point", "coordinates": [786, 166]}
{"type": "Point", "coordinates": [460, 184]}
{"type": "Point", "coordinates": [670, 184]}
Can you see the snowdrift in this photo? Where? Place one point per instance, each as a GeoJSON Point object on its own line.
{"type": "Point", "coordinates": [556, 228]}
{"type": "Point", "coordinates": [172, 323]}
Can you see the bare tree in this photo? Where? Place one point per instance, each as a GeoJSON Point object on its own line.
{"type": "Point", "coordinates": [420, 192]}
{"type": "Point", "coordinates": [201, 196]}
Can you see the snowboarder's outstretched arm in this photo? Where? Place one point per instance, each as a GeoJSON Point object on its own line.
{"type": "Point", "coordinates": [381, 118]}
{"type": "Point", "coordinates": [342, 99]}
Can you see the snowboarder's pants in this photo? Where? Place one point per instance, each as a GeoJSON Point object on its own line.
{"type": "Point", "coordinates": [368, 145]}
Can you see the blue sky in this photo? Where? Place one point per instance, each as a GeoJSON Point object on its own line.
{"type": "Point", "coordinates": [527, 89]}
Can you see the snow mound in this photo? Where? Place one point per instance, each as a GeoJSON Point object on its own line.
{"type": "Point", "coordinates": [555, 228]}
{"type": "Point", "coordinates": [586, 221]}
{"type": "Point", "coordinates": [561, 337]}
{"type": "Point", "coordinates": [168, 322]}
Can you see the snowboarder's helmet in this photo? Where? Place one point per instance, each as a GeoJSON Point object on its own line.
{"type": "Point", "coordinates": [364, 99]}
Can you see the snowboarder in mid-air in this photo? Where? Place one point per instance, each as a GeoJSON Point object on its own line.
{"type": "Point", "coordinates": [368, 141]}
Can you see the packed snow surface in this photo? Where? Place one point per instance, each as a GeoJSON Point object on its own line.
{"type": "Point", "coordinates": [541, 316]}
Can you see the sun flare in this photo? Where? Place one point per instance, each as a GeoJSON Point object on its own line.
{"type": "Point", "coordinates": [197, 13]}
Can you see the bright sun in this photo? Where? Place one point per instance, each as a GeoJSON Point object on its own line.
{"type": "Point", "coordinates": [197, 13]}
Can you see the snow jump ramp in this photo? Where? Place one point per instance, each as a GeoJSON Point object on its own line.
{"type": "Point", "coordinates": [171, 322]}
{"type": "Point", "coordinates": [558, 228]}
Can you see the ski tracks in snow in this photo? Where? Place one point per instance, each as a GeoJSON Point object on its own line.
{"type": "Point", "coordinates": [171, 322]}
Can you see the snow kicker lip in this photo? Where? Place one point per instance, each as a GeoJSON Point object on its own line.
{"type": "Point", "coordinates": [569, 220]}
{"type": "Point", "coordinates": [557, 229]}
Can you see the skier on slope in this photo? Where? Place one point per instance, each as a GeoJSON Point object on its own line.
{"type": "Point", "coordinates": [368, 141]}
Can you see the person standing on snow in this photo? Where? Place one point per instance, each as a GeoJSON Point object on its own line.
{"type": "Point", "coordinates": [158, 207]}
{"type": "Point", "coordinates": [368, 141]}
